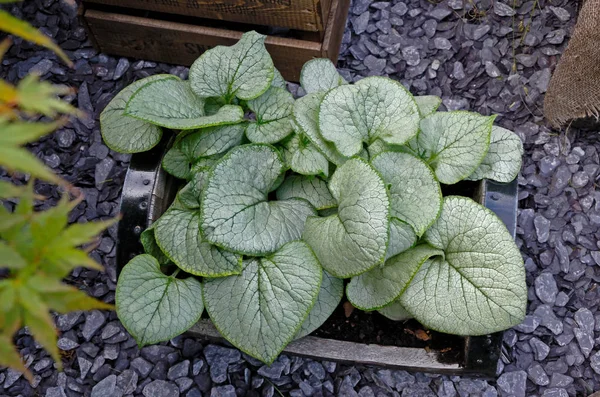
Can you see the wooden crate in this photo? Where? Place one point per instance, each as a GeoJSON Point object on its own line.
{"type": "Point", "coordinates": [150, 38]}
{"type": "Point", "coordinates": [309, 15]}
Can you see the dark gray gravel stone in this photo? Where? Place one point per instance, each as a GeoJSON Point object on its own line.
{"type": "Point", "coordinates": [219, 358]}
{"type": "Point", "coordinates": [223, 391]}
{"type": "Point", "coordinates": [555, 392]}
{"type": "Point", "coordinates": [84, 366]}
{"type": "Point", "coordinates": [42, 67]}
{"type": "Point", "coordinates": [93, 322]}
{"type": "Point", "coordinates": [374, 64]}
{"type": "Point", "coordinates": [539, 348]}
{"type": "Point", "coordinates": [127, 381]}
{"type": "Point", "coordinates": [67, 344]}
{"type": "Point", "coordinates": [542, 228]}
{"type": "Point", "coordinates": [56, 392]}
{"type": "Point", "coordinates": [513, 383]}
{"type": "Point", "coordinates": [161, 388]}
{"type": "Point", "coordinates": [142, 366]}
{"type": "Point", "coordinates": [121, 68]}
{"type": "Point", "coordinates": [107, 387]}
{"type": "Point", "coordinates": [548, 319]}
{"type": "Point", "coordinates": [537, 375]}
{"type": "Point", "coordinates": [179, 370]}
{"type": "Point", "coordinates": [560, 380]}
{"type": "Point", "coordinates": [545, 285]}
{"type": "Point", "coordinates": [503, 10]}
{"type": "Point", "coordinates": [442, 43]}
{"type": "Point", "coordinates": [562, 14]}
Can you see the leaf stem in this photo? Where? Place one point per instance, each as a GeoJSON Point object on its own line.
{"type": "Point", "coordinates": [175, 273]}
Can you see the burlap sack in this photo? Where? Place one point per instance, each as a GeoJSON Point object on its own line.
{"type": "Point", "coordinates": [574, 90]}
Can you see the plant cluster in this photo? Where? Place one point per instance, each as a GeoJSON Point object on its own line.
{"type": "Point", "coordinates": [37, 249]}
{"type": "Point", "coordinates": [287, 198]}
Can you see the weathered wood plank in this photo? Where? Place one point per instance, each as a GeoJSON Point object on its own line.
{"type": "Point", "coordinates": [309, 15]}
{"type": "Point", "coordinates": [182, 44]}
{"type": "Point", "coordinates": [349, 352]}
{"type": "Point", "coordinates": [334, 32]}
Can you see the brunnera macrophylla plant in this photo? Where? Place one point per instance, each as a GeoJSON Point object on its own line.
{"type": "Point", "coordinates": [287, 198]}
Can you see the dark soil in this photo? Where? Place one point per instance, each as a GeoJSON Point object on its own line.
{"type": "Point", "coordinates": [373, 328]}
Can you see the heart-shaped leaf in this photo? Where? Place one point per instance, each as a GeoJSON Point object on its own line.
{"type": "Point", "coordinates": [503, 160]}
{"type": "Point", "coordinates": [355, 239]}
{"type": "Point", "coordinates": [312, 189]}
{"type": "Point", "coordinates": [236, 213]}
{"type": "Point", "coordinates": [427, 104]}
{"type": "Point", "coordinates": [126, 134]}
{"type": "Point", "coordinates": [415, 194]}
{"type": "Point", "coordinates": [177, 163]}
{"type": "Point", "coordinates": [304, 158]}
{"type": "Point", "coordinates": [395, 311]}
{"type": "Point", "coordinates": [382, 285]}
{"type": "Point", "coordinates": [278, 80]}
{"type": "Point", "coordinates": [273, 111]}
{"type": "Point", "coordinates": [402, 237]}
{"type": "Point", "coordinates": [478, 287]}
{"type": "Point", "coordinates": [171, 103]}
{"type": "Point", "coordinates": [454, 143]}
{"type": "Point", "coordinates": [178, 235]}
{"type": "Point", "coordinates": [330, 295]}
{"type": "Point", "coordinates": [320, 74]}
{"type": "Point", "coordinates": [373, 108]}
{"type": "Point", "coordinates": [211, 141]}
{"type": "Point", "coordinates": [260, 310]}
{"type": "Point", "coordinates": [154, 307]}
{"type": "Point", "coordinates": [306, 116]}
{"type": "Point", "coordinates": [191, 194]}
{"type": "Point", "coordinates": [150, 247]}
{"type": "Point", "coordinates": [244, 70]}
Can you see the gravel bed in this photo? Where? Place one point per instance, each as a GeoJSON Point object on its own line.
{"type": "Point", "coordinates": [462, 50]}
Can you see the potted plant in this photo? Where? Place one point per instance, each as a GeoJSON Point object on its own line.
{"type": "Point", "coordinates": [288, 203]}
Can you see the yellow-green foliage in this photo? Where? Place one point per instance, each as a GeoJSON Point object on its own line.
{"type": "Point", "coordinates": [38, 249]}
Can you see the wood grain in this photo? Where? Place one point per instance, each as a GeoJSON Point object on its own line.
{"type": "Point", "coordinates": [182, 43]}
{"type": "Point", "coordinates": [349, 352]}
{"type": "Point", "coordinates": [309, 15]}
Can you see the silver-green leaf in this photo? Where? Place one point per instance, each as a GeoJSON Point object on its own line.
{"type": "Point", "coordinates": [503, 160]}
{"type": "Point", "coordinates": [320, 75]}
{"type": "Point", "coordinates": [172, 104]}
{"type": "Point", "coordinates": [177, 163]}
{"type": "Point", "coordinates": [278, 80]}
{"type": "Point", "coordinates": [304, 158]}
{"type": "Point", "coordinates": [154, 307]}
{"type": "Point", "coordinates": [165, 102]}
{"type": "Point", "coordinates": [382, 285]}
{"type": "Point", "coordinates": [427, 104]}
{"type": "Point", "coordinates": [415, 194]}
{"type": "Point", "coordinates": [260, 310]}
{"type": "Point", "coordinates": [148, 241]}
{"type": "Point", "coordinates": [236, 213]}
{"type": "Point", "coordinates": [312, 189]}
{"type": "Point", "coordinates": [190, 195]}
{"type": "Point", "coordinates": [395, 312]}
{"type": "Point", "coordinates": [375, 107]}
{"type": "Point", "coordinates": [355, 239]}
{"type": "Point", "coordinates": [402, 237]}
{"type": "Point", "coordinates": [478, 287]}
{"type": "Point", "coordinates": [330, 295]}
{"type": "Point", "coordinates": [244, 70]}
{"type": "Point", "coordinates": [126, 134]}
{"type": "Point", "coordinates": [454, 143]}
{"type": "Point", "coordinates": [273, 111]}
{"type": "Point", "coordinates": [179, 236]}
{"type": "Point", "coordinates": [211, 141]}
{"type": "Point", "coordinates": [306, 116]}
